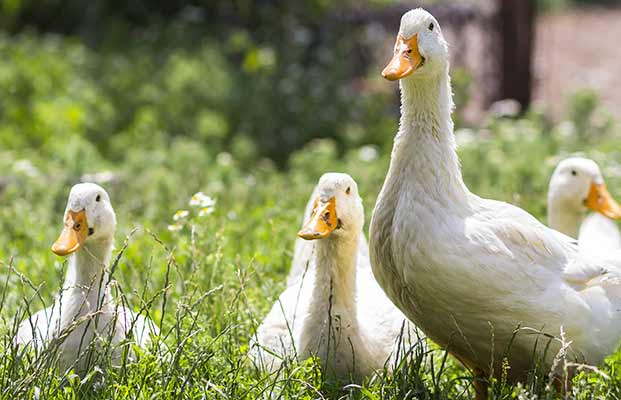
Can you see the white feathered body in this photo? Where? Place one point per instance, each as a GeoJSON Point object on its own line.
{"type": "Point", "coordinates": [599, 233]}
{"type": "Point", "coordinates": [469, 271]}
{"type": "Point", "coordinates": [85, 318]}
{"type": "Point", "coordinates": [334, 309]}
{"type": "Point", "coordinates": [353, 335]}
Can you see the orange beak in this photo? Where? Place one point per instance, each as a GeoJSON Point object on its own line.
{"type": "Point", "coordinates": [73, 235]}
{"type": "Point", "coordinates": [406, 59]}
{"type": "Point", "coordinates": [322, 222]}
{"type": "Point", "coordinates": [600, 200]}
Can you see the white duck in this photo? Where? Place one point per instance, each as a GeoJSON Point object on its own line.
{"type": "Point", "coordinates": [467, 270]}
{"type": "Point", "coordinates": [84, 315]}
{"type": "Point", "coordinates": [304, 249]}
{"type": "Point", "coordinates": [576, 187]}
{"type": "Point", "coordinates": [337, 312]}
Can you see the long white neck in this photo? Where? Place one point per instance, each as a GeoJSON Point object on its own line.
{"type": "Point", "coordinates": [335, 274]}
{"type": "Point", "coordinates": [87, 271]}
{"type": "Point", "coordinates": [424, 152]}
{"type": "Point", "coordinates": [563, 218]}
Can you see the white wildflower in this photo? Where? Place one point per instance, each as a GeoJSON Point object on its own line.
{"type": "Point", "coordinates": [206, 211]}
{"type": "Point", "coordinates": [180, 215]}
{"type": "Point", "coordinates": [175, 227]}
{"type": "Point", "coordinates": [201, 200]}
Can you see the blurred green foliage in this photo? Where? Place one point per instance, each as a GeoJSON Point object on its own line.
{"type": "Point", "coordinates": [263, 82]}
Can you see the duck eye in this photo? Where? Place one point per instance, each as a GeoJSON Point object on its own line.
{"type": "Point", "coordinates": [348, 190]}
{"type": "Point", "coordinates": [431, 26]}
{"type": "Point", "coordinates": [573, 172]}
{"type": "Point", "coordinates": [98, 197]}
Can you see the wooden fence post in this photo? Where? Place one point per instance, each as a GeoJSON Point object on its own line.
{"type": "Point", "coordinates": [516, 27]}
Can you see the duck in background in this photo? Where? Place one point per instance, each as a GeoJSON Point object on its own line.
{"type": "Point", "coordinates": [577, 187]}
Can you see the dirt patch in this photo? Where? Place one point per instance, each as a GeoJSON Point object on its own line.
{"type": "Point", "coordinates": [577, 49]}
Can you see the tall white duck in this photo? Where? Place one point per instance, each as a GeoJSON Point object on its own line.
{"type": "Point", "coordinates": [468, 270]}
{"type": "Point", "coordinates": [337, 312]}
{"type": "Point", "coordinates": [84, 316]}
{"type": "Point", "coordinates": [576, 187]}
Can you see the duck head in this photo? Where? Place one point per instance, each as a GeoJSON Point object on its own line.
{"type": "Point", "coordinates": [337, 211]}
{"type": "Point", "coordinates": [577, 185]}
{"type": "Point", "coordinates": [88, 217]}
{"type": "Point", "coordinates": [420, 49]}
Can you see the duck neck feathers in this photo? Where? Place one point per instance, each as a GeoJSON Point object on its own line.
{"type": "Point", "coordinates": [336, 259]}
{"type": "Point", "coordinates": [564, 219]}
{"type": "Point", "coordinates": [87, 271]}
{"type": "Point", "coordinates": [424, 153]}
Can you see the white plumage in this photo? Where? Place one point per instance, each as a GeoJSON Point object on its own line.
{"type": "Point", "coordinates": [337, 311]}
{"type": "Point", "coordinates": [84, 319]}
{"type": "Point", "coordinates": [577, 187]}
{"type": "Point", "coordinates": [304, 249]}
{"type": "Point", "coordinates": [467, 270]}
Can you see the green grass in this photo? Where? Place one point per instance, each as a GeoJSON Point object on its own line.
{"type": "Point", "coordinates": [74, 111]}
{"type": "Point", "coordinates": [209, 284]}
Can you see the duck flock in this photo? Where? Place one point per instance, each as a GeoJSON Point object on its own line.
{"type": "Point", "coordinates": [481, 278]}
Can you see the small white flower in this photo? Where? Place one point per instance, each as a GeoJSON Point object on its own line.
{"type": "Point", "coordinates": [180, 215]}
{"type": "Point", "coordinates": [196, 199]}
{"type": "Point", "coordinates": [208, 202]}
{"type": "Point", "coordinates": [206, 211]}
{"type": "Point", "coordinates": [200, 199]}
{"type": "Point", "coordinates": [175, 227]}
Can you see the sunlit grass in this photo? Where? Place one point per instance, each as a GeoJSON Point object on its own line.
{"type": "Point", "coordinates": [205, 237]}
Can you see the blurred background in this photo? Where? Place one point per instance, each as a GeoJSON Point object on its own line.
{"type": "Point", "coordinates": [263, 78]}
{"type": "Point", "coordinates": [166, 98]}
